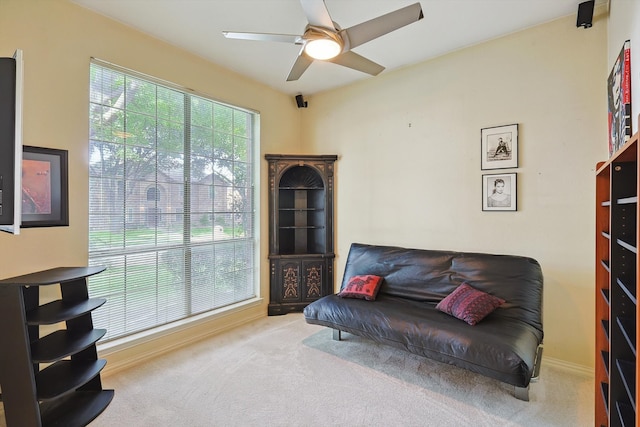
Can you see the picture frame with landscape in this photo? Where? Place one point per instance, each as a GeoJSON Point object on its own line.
{"type": "Point", "coordinates": [45, 186]}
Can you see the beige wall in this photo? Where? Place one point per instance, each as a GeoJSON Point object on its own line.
{"type": "Point", "coordinates": [409, 173]}
{"type": "Point", "coordinates": [58, 39]}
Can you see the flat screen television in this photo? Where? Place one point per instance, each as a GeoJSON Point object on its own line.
{"type": "Point", "coordinates": [11, 143]}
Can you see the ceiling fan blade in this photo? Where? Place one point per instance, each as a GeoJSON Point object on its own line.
{"type": "Point", "coordinates": [353, 60]}
{"type": "Point", "coordinates": [376, 27]}
{"type": "Point", "coordinates": [283, 38]}
{"type": "Point", "coordinates": [300, 66]}
{"type": "Point", "coordinates": [317, 13]}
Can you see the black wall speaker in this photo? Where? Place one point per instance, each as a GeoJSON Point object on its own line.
{"type": "Point", "coordinates": [585, 14]}
{"type": "Point", "coordinates": [300, 101]}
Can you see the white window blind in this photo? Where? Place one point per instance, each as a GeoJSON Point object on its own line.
{"type": "Point", "coordinates": [171, 201]}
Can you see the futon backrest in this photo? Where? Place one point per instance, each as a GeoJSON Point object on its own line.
{"type": "Point", "coordinates": [430, 275]}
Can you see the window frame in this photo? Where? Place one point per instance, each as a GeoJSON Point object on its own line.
{"type": "Point", "coordinates": [250, 188]}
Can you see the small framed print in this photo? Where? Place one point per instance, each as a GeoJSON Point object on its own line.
{"type": "Point", "coordinates": [499, 192]}
{"type": "Point", "coordinates": [499, 147]}
{"type": "Point", "coordinates": [45, 201]}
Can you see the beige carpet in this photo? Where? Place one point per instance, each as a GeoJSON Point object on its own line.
{"type": "Point", "coordinates": [279, 371]}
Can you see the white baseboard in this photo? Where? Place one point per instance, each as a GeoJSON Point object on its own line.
{"type": "Point", "coordinates": [573, 368]}
{"type": "Point", "coordinates": [128, 352]}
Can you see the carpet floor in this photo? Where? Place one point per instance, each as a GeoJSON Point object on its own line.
{"type": "Point", "coordinates": [280, 371]}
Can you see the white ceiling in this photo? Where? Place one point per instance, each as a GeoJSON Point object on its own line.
{"type": "Point", "coordinates": [448, 25]}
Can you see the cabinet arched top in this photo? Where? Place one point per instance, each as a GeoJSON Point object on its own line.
{"type": "Point", "coordinates": [306, 171]}
{"type": "Point", "coordinates": [301, 177]}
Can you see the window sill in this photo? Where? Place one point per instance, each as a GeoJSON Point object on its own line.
{"type": "Point", "coordinates": [125, 352]}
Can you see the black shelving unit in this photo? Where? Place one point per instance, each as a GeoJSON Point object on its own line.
{"type": "Point", "coordinates": [68, 390]}
{"type": "Point", "coordinates": [617, 314]}
{"type": "Point", "coordinates": [623, 292]}
{"type": "Point", "coordinates": [300, 230]}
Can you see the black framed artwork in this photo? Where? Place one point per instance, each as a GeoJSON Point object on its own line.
{"type": "Point", "coordinates": [499, 147]}
{"type": "Point", "coordinates": [45, 187]}
{"type": "Point", "coordinates": [499, 192]}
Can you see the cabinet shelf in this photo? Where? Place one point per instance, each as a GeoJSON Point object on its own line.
{"type": "Point", "coordinates": [52, 276]}
{"type": "Point", "coordinates": [300, 188]}
{"type": "Point", "coordinates": [628, 329]}
{"type": "Point", "coordinates": [65, 376]}
{"type": "Point", "coordinates": [59, 311]}
{"type": "Point", "coordinates": [297, 257]}
{"type": "Point", "coordinates": [626, 414]}
{"type": "Point", "coordinates": [627, 290]}
{"type": "Point", "coordinates": [300, 227]}
{"type": "Point", "coordinates": [605, 295]}
{"type": "Point", "coordinates": [605, 327]}
{"type": "Point", "coordinates": [628, 200]}
{"type": "Point", "coordinates": [604, 389]}
{"type": "Point", "coordinates": [628, 374]}
{"type": "Point", "coordinates": [627, 246]}
{"type": "Point", "coordinates": [605, 264]}
{"type": "Point", "coordinates": [605, 361]}
{"type": "Point", "coordinates": [63, 343]}
{"type": "Point", "coordinates": [76, 409]}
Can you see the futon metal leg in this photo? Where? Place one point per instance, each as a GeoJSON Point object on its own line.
{"type": "Point", "coordinates": [337, 334]}
{"type": "Point", "coordinates": [536, 364]}
{"type": "Point", "coordinates": [522, 393]}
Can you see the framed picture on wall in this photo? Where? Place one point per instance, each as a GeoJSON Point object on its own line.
{"type": "Point", "coordinates": [45, 201]}
{"type": "Point", "coordinates": [499, 192]}
{"type": "Point", "coordinates": [499, 147]}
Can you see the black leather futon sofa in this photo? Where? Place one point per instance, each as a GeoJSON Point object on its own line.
{"type": "Point", "coordinates": [505, 345]}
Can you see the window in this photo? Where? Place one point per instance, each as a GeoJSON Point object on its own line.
{"type": "Point", "coordinates": [152, 194]}
{"type": "Point", "coordinates": [157, 155]}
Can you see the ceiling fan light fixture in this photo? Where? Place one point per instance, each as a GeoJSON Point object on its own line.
{"type": "Point", "coordinates": [322, 48]}
{"type": "Point", "coordinates": [322, 43]}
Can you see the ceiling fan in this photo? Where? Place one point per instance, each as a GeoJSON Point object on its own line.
{"type": "Point", "coordinates": [324, 40]}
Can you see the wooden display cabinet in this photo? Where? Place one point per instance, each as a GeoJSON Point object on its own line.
{"type": "Point", "coordinates": [300, 230]}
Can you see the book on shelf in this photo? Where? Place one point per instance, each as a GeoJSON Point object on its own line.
{"type": "Point", "coordinates": [619, 97]}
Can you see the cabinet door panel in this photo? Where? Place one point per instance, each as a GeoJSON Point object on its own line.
{"type": "Point", "coordinates": [314, 272]}
{"type": "Point", "coordinates": [289, 280]}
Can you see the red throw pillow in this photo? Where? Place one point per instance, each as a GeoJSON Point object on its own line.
{"type": "Point", "coordinates": [469, 304]}
{"type": "Point", "coordinates": [363, 287]}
